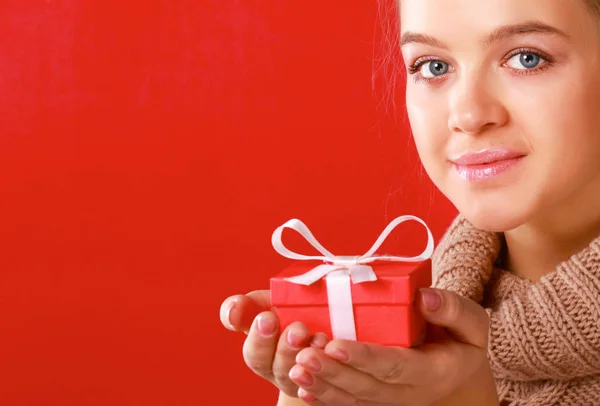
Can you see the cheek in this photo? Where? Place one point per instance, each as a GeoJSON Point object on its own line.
{"type": "Point", "coordinates": [561, 126]}
{"type": "Point", "coordinates": [428, 118]}
{"type": "Point", "coordinates": [561, 122]}
{"type": "Point", "coordinates": [568, 150]}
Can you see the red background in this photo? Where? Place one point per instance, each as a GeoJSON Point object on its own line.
{"type": "Point", "coordinates": [147, 152]}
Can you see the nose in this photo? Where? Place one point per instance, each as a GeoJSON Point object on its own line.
{"type": "Point", "coordinates": [474, 109]}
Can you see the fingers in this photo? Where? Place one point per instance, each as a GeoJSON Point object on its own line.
{"type": "Point", "coordinates": [261, 297]}
{"type": "Point", "coordinates": [293, 400]}
{"type": "Point", "coordinates": [364, 374]}
{"type": "Point", "coordinates": [237, 312]}
{"type": "Point", "coordinates": [261, 343]}
{"type": "Point", "coordinates": [319, 340]}
{"type": "Point", "coordinates": [388, 364]}
{"type": "Point", "coordinates": [465, 319]}
{"type": "Point", "coordinates": [325, 378]}
{"type": "Point", "coordinates": [315, 391]}
{"type": "Point", "coordinates": [293, 339]}
{"type": "Point", "coordinates": [309, 398]}
{"type": "Point", "coordinates": [271, 355]}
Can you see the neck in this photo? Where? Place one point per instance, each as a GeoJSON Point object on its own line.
{"type": "Point", "coordinates": [539, 246]}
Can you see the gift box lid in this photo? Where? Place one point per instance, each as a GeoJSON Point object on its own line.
{"type": "Point", "coordinates": [397, 283]}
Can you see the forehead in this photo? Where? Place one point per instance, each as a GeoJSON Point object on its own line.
{"type": "Point", "coordinates": [472, 18]}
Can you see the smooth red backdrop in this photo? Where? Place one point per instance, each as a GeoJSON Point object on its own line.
{"type": "Point", "coordinates": [147, 152]}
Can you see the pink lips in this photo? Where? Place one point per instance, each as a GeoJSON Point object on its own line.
{"type": "Point", "coordinates": [486, 164]}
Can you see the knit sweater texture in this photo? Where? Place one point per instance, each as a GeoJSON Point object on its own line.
{"type": "Point", "coordinates": [544, 337]}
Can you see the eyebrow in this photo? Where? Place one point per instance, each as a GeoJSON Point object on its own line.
{"type": "Point", "coordinates": [500, 33]}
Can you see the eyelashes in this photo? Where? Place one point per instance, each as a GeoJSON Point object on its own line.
{"type": "Point", "coordinates": [415, 67]}
{"type": "Point", "coordinates": [421, 75]}
{"type": "Point", "coordinates": [520, 61]}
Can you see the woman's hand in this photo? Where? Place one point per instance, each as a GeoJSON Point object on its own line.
{"type": "Point", "coordinates": [268, 353]}
{"type": "Point", "coordinates": [450, 368]}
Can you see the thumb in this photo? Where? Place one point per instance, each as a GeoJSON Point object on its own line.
{"type": "Point", "coordinates": [464, 318]}
{"type": "Point", "coordinates": [237, 312]}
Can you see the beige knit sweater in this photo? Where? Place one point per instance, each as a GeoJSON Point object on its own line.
{"type": "Point", "coordinates": [544, 337]}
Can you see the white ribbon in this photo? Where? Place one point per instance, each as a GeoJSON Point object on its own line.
{"type": "Point", "coordinates": [341, 271]}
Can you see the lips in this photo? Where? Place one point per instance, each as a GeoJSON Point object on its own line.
{"type": "Point", "coordinates": [487, 156]}
{"type": "Point", "coordinates": [486, 164]}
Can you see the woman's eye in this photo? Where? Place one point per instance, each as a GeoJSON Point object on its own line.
{"type": "Point", "coordinates": [432, 69]}
{"type": "Point", "coordinates": [524, 61]}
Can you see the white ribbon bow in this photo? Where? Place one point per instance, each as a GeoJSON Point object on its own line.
{"type": "Point", "coordinates": [341, 271]}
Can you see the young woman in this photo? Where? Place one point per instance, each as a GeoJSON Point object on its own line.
{"type": "Point", "coordinates": [502, 97]}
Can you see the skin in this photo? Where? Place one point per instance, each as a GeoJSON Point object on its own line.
{"type": "Point", "coordinates": [478, 95]}
{"type": "Point", "coordinates": [547, 207]}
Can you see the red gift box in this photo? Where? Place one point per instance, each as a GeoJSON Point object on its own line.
{"type": "Point", "coordinates": [368, 298]}
{"type": "Point", "coordinates": [385, 310]}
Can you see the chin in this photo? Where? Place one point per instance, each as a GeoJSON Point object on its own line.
{"type": "Point", "coordinates": [492, 218]}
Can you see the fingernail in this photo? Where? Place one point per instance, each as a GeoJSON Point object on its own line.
{"type": "Point", "coordinates": [338, 354]}
{"type": "Point", "coordinates": [266, 326]}
{"type": "Point", "coordinates": [226, 312]}
{"type": "Point", "coordinates": [300, 376]}
{"type": "Point", "coordinates": [308, 361]}
{"type": "Point", "coordinates": [319, 341]}
{"type": "Point", "coordinates": [431, 299]}
{"type": "Point", "coordinates": [296, 340]}
{"type": "Point", "coordinates": [305, 396]}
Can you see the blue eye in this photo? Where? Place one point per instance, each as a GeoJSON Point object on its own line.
{"type": "Point", "coordinates": [434, 68]}
{"type": "Point", "coordinates": [525, 60]}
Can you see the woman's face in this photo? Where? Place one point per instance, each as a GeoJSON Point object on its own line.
{"type": "Point", "coordinates": [503, 98]}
